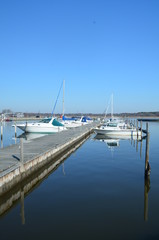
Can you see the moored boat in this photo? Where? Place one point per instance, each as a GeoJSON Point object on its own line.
{"type": "Point", "coordinates": [47, 125]}
{"type": "Point", "coordinates": [118, 128]}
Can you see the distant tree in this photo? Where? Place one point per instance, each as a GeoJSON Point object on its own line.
{"type": "Point", "coordinates": [6, 111]}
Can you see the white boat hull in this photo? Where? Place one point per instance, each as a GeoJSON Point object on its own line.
{"type": "Point", "coordinates": [34, 128]}
{"type": "Point", "coordinates": [69, 124]}
{"type": "Point", "coordinates": [118, 132]}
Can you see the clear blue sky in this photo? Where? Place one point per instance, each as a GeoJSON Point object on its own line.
{"type": "Point", "coordinates": [99, 47]}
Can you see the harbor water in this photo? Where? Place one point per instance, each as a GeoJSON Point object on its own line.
{"type": "Point", "coordinates": [98, 192]}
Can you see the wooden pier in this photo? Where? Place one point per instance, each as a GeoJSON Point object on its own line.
{"type": "Point", "coordinates": [17, 162]}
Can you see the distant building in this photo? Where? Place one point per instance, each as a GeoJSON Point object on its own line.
{"type": "Point", "coordinates": [20, 115]}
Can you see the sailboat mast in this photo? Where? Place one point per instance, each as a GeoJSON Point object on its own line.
{"type": "Point", "coordinates": [112, 107]}
{"type": "Point", "coordinates": [63, 96]}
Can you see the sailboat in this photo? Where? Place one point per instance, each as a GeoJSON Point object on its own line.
{"type": "Point", "coordinates": [117, 127]}
{"type": "Point", "coordinates": [46, 125]}
{"type": "Point", "coordinates": [73, 121]}
{"type": "Point", "coordinates": [66, 121]}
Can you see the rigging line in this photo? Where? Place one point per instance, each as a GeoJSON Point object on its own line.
{"type": "Point", "coordinates": [56, 99]}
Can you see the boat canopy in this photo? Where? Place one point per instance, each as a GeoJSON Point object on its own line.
{"type": "Point", "coordinates": [84, 119]}
{"type": "Point", "coordinates": [112, 124]}
{"type": "Point", "coordinates": [45, 120]}
{"type": "Point", "coordinates": [57, 123]}
{"type": "Point", "coordinates": [66, 118]}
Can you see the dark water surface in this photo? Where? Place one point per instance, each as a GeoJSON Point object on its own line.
{"type": "Point", "coordinates": [99, 192]}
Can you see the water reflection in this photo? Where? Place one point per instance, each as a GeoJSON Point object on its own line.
{"type": "Point", "coordinates": [113, 142]}
{"type": "Point", "coordinates": [31, 136]}
{"type": "Point", "coordinates": [147, 178]}
{"type": "Point", "coordinates": [146, 191]}
{"type": "Point", "coordinates": [22, 206]}
{"type": "Point", "coordinates": [17, 194]}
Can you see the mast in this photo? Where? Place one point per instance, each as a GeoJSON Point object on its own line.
{"type": "Point", "coordinates": [63, 96]}
{"type": "Point", "coordinates": [53, 113]}
{"type": "Point", "coordinates": [112, 107]}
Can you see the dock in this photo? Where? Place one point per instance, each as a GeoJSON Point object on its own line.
{"type": "Point", "coordinates": [20, 161]}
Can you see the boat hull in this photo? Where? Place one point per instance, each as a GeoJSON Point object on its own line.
{"type": "Point", "coordinates": [68, 124]}
{"type": "Point", "coordinates": [118, 132]}
{"type": "Point", "coordinates": [40, 129]}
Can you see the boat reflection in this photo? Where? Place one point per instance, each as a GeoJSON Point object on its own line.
{"type": "Point", "coordinates": [111, 142]}
{"type": "Point", "coordinates": [114, 141]}
{"type": "Point", "coordinates": [31, 136]}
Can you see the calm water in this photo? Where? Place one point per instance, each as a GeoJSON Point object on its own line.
{"type": "Point", "coordinates": [99, 192]}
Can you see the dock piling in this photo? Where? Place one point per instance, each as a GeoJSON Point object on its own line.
{"type": "Point", "coordinates": [147, 176]}
{"type": "Point", "coordinates": [147, 165]}
{"type": "Point", "coordinates": [141, 128]}
{"type": "Point", "coordinates": [1, 131]}
{"type": "Point", "coordinates": [147, 127]}
{"type": "Point", "coordinates": [21, 151]}
{"type": "Point", "coordinates": [15, 127]}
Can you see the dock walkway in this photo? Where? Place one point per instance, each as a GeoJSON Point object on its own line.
{"type": "Point", "coordinates": [17, 162]}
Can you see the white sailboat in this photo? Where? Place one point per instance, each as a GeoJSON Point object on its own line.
{"type": "Point", "coordinates": [47, 125]}
{"type": "Point", "coordinates": [117, 127]}
{"type": "Point", "coordinates": [69, 122]}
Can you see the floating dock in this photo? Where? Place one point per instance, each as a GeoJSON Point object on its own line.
{"type": "Point", "coordinates": [18, 162]}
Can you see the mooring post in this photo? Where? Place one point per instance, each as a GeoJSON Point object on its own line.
{"type": "Point", "coordinates": [15, 128]}
{"type": "Point", "coordinates": [137, 128]}
{"type": "Point", "coordinates": [147, 127]}
{"type": "Point", "coordinates": [21, 151]}
{"type": "Point", "coordinates": [1, 131]}
{"type": "Point", "coordinates": [147, 165]}
{"type": "Point", "coordinates": [147, 175]}
{"type": "Point", "coordinates": [141, 128]}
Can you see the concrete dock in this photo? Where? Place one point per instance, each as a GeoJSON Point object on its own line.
{"type": "Point", "coordinates": [17, 162]}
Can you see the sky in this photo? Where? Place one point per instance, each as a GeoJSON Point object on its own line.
{"type": "Point", "coordinates": [99, 47]}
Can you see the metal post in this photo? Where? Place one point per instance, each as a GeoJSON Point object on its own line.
{"type": "Point", "coordinates": [15, 130]}
{"type": "Point", "coordinates": [147, 128]}
{"type": "Point", "coordinates": [147, 176]}
{"type": "Point", "coordinates": [147, 165]}
{"type": "Point", "coordinates": [141, 128]}
{"type": "Point", "coordinates": [21, 151]}
{"type": "Point", "coordinates": [137, 129]}
{"type": "Point", "coordinates": [1, 131]}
